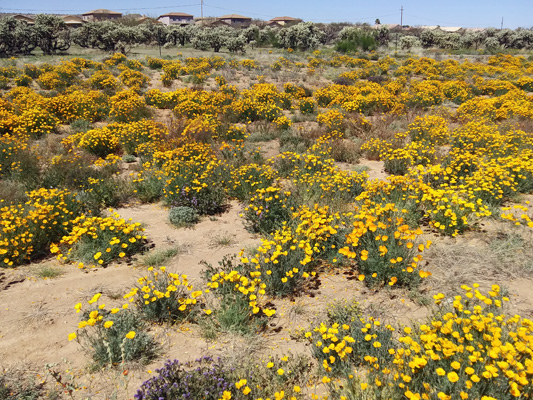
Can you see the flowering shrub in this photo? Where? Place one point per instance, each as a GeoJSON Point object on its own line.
{"type": "Point", "coordinates": [269, 208]}
{"type": "Point", "coordinates": [133, 79]}
{"type": "Point", "coordinates": [348, 339]}
{"type": "Point", "coordinates": [131, 136]}
{"type": "Point", "coordinates": [127, 106]}
{"type": "Point", "coordinates": [113, 336]}
{"type": "Point", "coordinates": [192, 179]}
{"type": "Point", "coordinates": [36, 122]}
{"type": "Point", "coordinates": [10, 148]}
{"type": "Point", "coordinates": [385, 247]}
{"type": "Point", "coordinates": [163, 296]}
{"type": "Point", "coordinates": [99, 240]}
{"type": "Point", "coordinates": [103, 80]}
{"type": "Point", "coordinates": [100, 142]}
{"type": "Point", "coordinates": [204, 378]}
{"type": "Point", "coordinates": [433, 361]}
{"type": "Point", "coordinates": [28, 229]}
{"type": "Point", "coordinates": [247, 179]}
{"type": "Point", "coordinates": [240, 307]}
{"type": "Point", "coordinates": [307, 105]}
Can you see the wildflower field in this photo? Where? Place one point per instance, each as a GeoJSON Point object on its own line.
{"type": "Point", "coordinates": [284, 226]}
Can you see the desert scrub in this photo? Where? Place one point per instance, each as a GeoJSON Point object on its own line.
{"type": "Point", "coordinates": [99, 142]}
{"type": "Point", "coordinates": [347, 338]}
{"type": "Point", "coordinates": [16, 385]}
{"type": "Point", "coordinates": [237, 298]}
{"type": "Point", "coordinates": [183, 216]}
{"type": "Point", "coordinates": [286, 257]}
{"type": "Point", "coordinates": [469, 349]}
{"type": "Point", "coordinates": [12, 149]}
{"type": "Point", "coordinates": [128, 106]}
{"type": "Point", "coordinates": [148, 183]}
{"type": "Point", "coordinates": [28, 229]}
{"type": "Point", "coordinates": [100, 240]}
{"type": "Point", "coordinates": [163, 296]}
{"type": "Point", "coordinates": [307, 105]}
{"type": "Point", "coordinates": [133, 79]}
{"type": "Point", "coordinates": [211, 379]}
{"type": "Point", "coordinates": [268, 209]}
{"type": "Point", "coordinates": [196, 186]}
{"type": "Point", "coordinates": [131, 136]}
{"type": "Point", "coordinates": [36, 122]}
{"type": "Point", "coordinates": [114, 336]}
{"type": "Point", "coordinates": [248, 178]}
{"type": "Point", "coordinates": [384, 247]}
{"type": "Point", "coordinates": [103, 80]}
{"type": "Point", "coordinates": [204, 378]}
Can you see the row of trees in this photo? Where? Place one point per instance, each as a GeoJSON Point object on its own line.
{"type": "Point", "coordinates": [52, 35]}
{"type": "Point", "coordinates": [355, 38]}
{"type": "Point", "coordinates": [49, 33]}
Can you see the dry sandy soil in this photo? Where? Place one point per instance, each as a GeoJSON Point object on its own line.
{"type": "Point", "coordinates": [37, 314]}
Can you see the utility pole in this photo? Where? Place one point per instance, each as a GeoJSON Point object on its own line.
{"type": "Point", "coordinates": [401, 18]}
{"type": "Point", "coordinates": [501, 27]}
{"type": "Point", "coordinates": [202, 8]}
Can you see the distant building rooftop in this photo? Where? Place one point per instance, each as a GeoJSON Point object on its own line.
{"type": "Point", "coordinates": [102, 11]}
{"type": "Point", "coordinates": [233, 16]}
{"type": "Point", "coordinates": [176, 14]}
{"type": "Point", "coordinates": [285, 19]}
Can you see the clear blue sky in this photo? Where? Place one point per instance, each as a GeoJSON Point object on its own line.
{"type": "Point", "coordinates": [466, 13]}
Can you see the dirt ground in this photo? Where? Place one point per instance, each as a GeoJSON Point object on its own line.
{"type": "Point", "coordinates": [38, 314]}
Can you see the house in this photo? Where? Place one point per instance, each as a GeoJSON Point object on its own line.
{"type": "Point", "coordinates": [72, 21]}
{"type": "Point", "coordinates": [284, 21]}
{"type": "Point", "coordinates": [211, 22]}
{"type": "Point", "coordinates": [23, 18]}
{"type": "Point", "coordinates": [176, 18]}
{"type": "Point", "coordinates": [236, 20]}
{"type": "Point", "coordinates": [148, 20]}
{"type": "Point", "coordinates": [101, 15]}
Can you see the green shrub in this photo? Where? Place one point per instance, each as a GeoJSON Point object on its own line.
{"type": "Point", "coordinates": [183, 216]}
{"type": "Point", "coordinates": [268, 209]}
{"type": "Point", "coordinates": [163, 296]}
{"type": "Point", "coordinates": [116, 338]}
{"type": "Point", "coordinates": [18, 385]}
{"type": "Point", "coordinates": [80, 125]}
{"type": "Point", "coordinates": [129, 158]}
{"type": "Point", "coordinates": [307, 105]}
{"type": "Point", "coordinates": [354, 337]}
{"type": "Point", "coordinates": [233, 310]}
{"type": "Point", "coordinates": [357, 39]}
{"type": "Point", "coordinates": [23, 80]}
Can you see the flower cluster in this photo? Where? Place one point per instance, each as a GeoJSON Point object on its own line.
{"type": "Point", "coordinates": [99, 240]}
